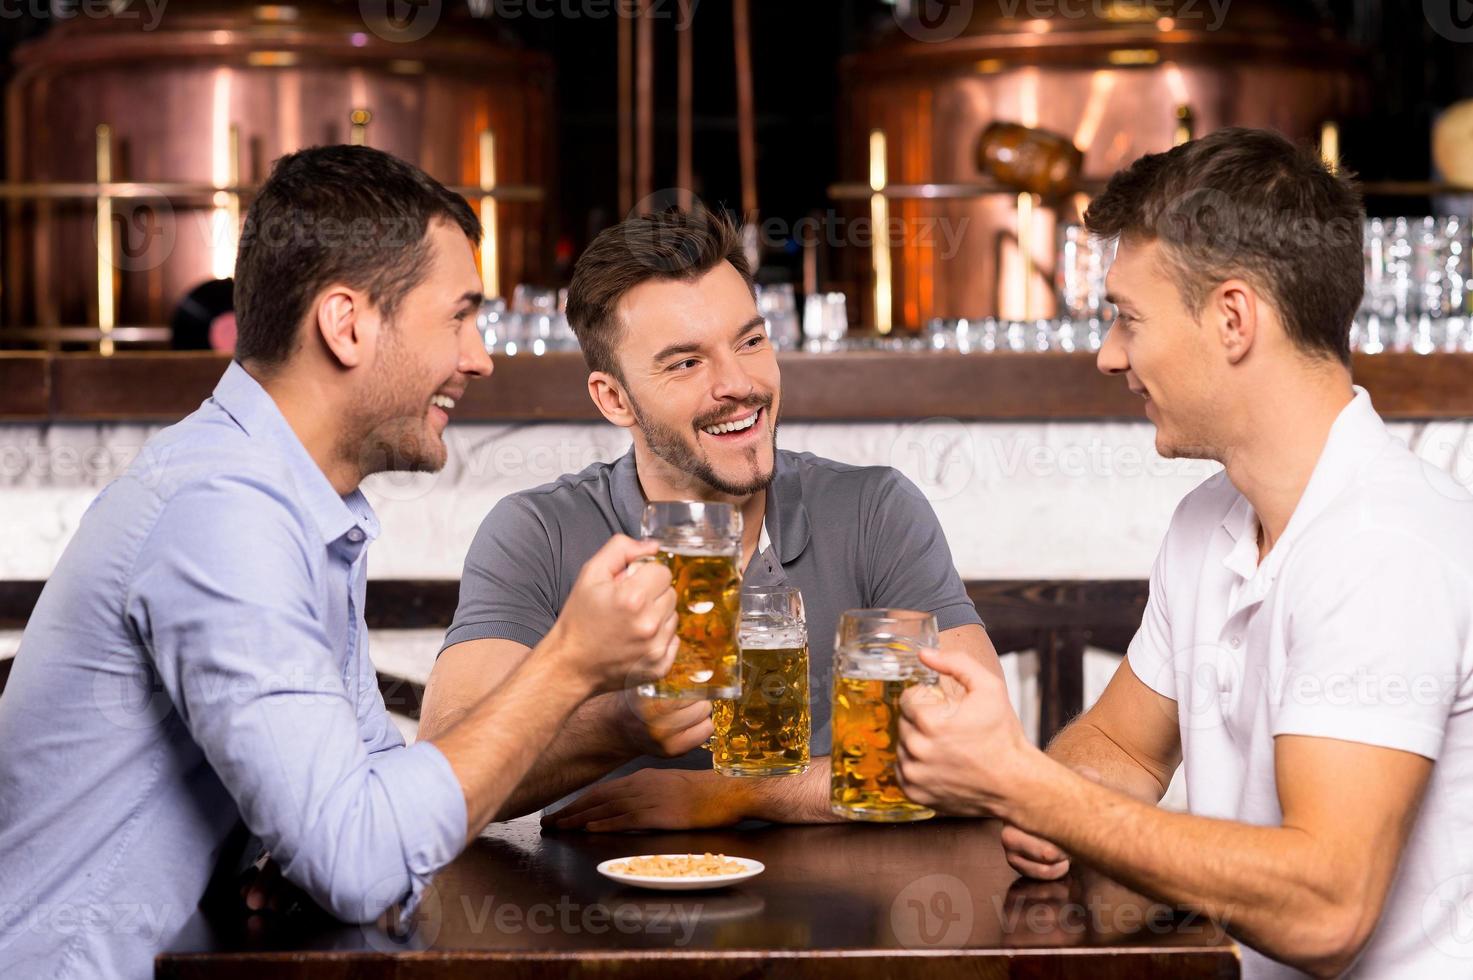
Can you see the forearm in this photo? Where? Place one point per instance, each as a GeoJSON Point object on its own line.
{"type": "Point", "coordinates": [803, 798]}
{"type": "Point", "coordinates": [1275, 888]}
{"type": "Point", "coordinates": [498, 740]}
{"type": "Point", "coordinates": [585, 749]}
{"type": "Point", "coordinates": [1084, 746]}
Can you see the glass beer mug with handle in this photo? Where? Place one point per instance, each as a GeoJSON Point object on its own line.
{"type": "Point", "coordinates": [701, 544]}
{"type": "Point", "coordinates": [876, 658]}
{"type": "Point", "coordinates": [765, 731]}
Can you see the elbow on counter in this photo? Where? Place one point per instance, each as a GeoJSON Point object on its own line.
{"type": "Point", "coordinates": [361, 898]}
{"type": "Point", "coordinates": [1333, 940]}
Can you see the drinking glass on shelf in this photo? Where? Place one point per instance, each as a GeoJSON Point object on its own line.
{"type": "Point", "coordinates": [1083, 260]}
{"type": "Point", "coordinates": [825, 321]}
{"type": "Point", "coordinates": [765, 731]}
{"type": "Point", "coordinates": [491, 322]}
{"type": "Point", "coordinates": [562, 336]}
{"type": "Point", "coordinates": [779, 306]}
{"type": "Point", "coordinates": [527, 298]}
{"type": "Point", "coordinates": [701, 544]}
{"type": "Point", "coordinates": [876, 659]}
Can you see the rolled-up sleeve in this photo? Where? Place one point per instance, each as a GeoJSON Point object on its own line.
{"type": "Point", "coordinates": [223, 598]}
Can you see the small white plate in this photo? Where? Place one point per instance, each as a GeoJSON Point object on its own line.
{"type": "Point", "coordinates": [685, 883]}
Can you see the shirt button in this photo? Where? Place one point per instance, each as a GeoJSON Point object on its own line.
{"type": "Point", "coordinates": [1235, 642]}
{"type": "Point", "coordinates": [356, 536]}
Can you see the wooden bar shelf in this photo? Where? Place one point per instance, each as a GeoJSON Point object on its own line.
{"type": "Point", "coordinates": [857, 386]}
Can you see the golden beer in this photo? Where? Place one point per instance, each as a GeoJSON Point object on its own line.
{"type": "Point", "coordinates": [708, 602]}
{"type": "Point", "coordinates": [866, 731]}
{"type": "Point", "coordinates": [765, 731]}
{"type": "Point", "coordinates": [875, 662]}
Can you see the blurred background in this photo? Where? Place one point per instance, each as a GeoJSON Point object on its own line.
{"type": "Point", "coordinates": [911, 175]}
{"type": "Point", "coordinates": [986, 125]}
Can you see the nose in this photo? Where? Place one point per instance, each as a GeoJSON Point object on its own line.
{"type": "Point", "coordinates": [729, 379]}
{"type": "Point", "coordinates": [474, 359]}
{"type": "Point", "coordinates": [1112, 358]}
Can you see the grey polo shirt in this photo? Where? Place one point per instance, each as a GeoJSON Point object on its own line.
{"type": "Point", "coordinates": [849, 537]}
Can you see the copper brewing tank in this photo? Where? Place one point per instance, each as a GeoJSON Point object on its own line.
{"type": "Point", "coordinates": [213, 94]}
{"type": "Point", "coordinates": [1111, 76]}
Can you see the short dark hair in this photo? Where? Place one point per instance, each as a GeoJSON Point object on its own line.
{"type": "Point", "coordinates": [672, 244]}
{"type": "Point", "coordinates": [1249, 203]}
{"type": "Point", "coordinates": [348, 214]}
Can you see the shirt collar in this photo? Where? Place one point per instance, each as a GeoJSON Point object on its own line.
{"type": "Point", "coordinates": [245, 401]}
{"type": "Point", "coordinates": [1356, 436]}
{"type": "Point", "coordinates": [785, 518]}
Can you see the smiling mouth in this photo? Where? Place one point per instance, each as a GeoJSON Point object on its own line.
{"type": "Point", "coordinates": [443, 401]}
{"type": "Point", "coordinates": [730, 426]}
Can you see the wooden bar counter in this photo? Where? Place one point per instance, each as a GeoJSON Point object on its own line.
{"type": "Point", "coordinates": [930, 901]}
{"type": "Point", "coordinates": [848, 386]}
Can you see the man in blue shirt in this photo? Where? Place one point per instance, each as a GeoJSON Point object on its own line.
{"type": "Point", "coordinates": [196, 671]}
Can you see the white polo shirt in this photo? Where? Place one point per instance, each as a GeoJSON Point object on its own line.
{"type": "Point", "coordinates": [1358, 625]}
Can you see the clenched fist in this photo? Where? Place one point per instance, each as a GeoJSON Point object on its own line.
{"type": "Point", "coordinates": [664, 727]}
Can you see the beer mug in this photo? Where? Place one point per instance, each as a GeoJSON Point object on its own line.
{"type": "Point", "coordinates": [876, 658]}
{"type": "Point", "coordinates": [765, 731]}
{"type": "Point", "coordinates": [701, 544]}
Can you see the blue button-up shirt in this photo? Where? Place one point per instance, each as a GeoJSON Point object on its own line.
{"type": "Point", "coordinates": [197, 666]}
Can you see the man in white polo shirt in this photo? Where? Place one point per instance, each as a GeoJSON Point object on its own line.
{"type": "Point", "coordinates": [1307, 649]}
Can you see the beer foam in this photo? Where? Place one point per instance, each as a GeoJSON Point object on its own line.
{"type": "Point", "coordinates": [883, 660]}
{"type": "Point", "coordinates": [700, 549]}
{"type": "Point", "coordinates": [782, 638]}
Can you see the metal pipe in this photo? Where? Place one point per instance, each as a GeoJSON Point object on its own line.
{"type": "Point", "coordinates": [644, 119]}
{"type": "Point", "coordinates": [1025, 250]}
{"type": "Point", "coordinates": [959, 191]}
{"type": "Point", "coordinates": [626, 115]}
{"type": "Point", "coordinates": [490, 257]}
{"type": "Point", "coordinates": [684, 108]}
{"type": "Point", "coordinates": [746, 120]}
{"type": "Point", "coordinates": [178, 191]}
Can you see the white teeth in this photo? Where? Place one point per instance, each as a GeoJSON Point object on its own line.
{"type": "Point", "coordinates": [736, 426]}
{"type": "Point", "coordinates": [442, 402]}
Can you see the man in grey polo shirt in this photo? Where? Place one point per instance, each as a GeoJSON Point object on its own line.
{"type": "Point", "coordinates": [678, 355]}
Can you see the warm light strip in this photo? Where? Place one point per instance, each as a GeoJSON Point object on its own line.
{"type": "Point", "coordinates": [1330, 145]}
{"type": "Point", "coordinates": [106, 310]}
{"type": "Point", "coordinates": [490, 274]}
{"type": "Point", "coordinates": [1101, 83]}
{"type": "Point", "coordinates": [1028, 97]}
{"type": "Point", "coordinates": [358, 121]}
{"type": "Point", "coordinates": [879, 213]}
{"type": "Point", "coordinates": [1025, 250]}
{"type": "Point", "coordinates": [224, 172]}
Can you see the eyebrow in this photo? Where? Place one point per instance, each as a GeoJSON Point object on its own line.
{"type": "Point", "coordinates": [692, 348]}
{"type": "Point", "coordinates": [474, 297]}
{"type": "Point", "coordinates": [1118, 301]}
